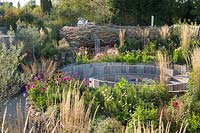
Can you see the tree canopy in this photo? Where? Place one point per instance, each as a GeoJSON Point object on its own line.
{"type": "Point", "coordinates": [132, 12]}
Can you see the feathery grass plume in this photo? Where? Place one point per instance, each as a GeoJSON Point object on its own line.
{"type": "Point", "coordinates": [162, 64]}
{"type": "Point", "coordinates": [139, 127]}
{"type": "Point", "coordinates": [164, 32]}
{"type": "Point", "coordinates": [195, 59]}
{"type": "Point", "coordinates": [185, 37]}
{"type": "Point", "coordinates": [122, 37]}
{"type": "Point", "coordinates": [62, 44]}
{"type": "Point", "coordinates": [73, 115]}
{"type": "Point", "coordinates": [3, 123]}
{"type": "Point", "coordinates": [47, 68]}
{"type": "Point", "coordinates": [146, 32]}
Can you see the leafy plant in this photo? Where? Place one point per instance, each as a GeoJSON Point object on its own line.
{"type": "Point", "coordinates": [44, 92]}
{"type": "Point", "coordinates": [178, 56]}
{"type": "Point", "coordinates": [122, 100]}
{"type": "Point", "coordinates": [131, 44]}
{"type": "Point", "coordinates": [194, 123]}
{"type": "Point", "coordinates": [10, 57]}
{"type": "Point", "coordinates": [109, 125]}
{"type": "Point", "coordinates": [82, 59]}
{"type": "Point", "coordinates": [145, 114]}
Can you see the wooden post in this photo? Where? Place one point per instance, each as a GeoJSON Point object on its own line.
{"type": "Point", "coordinates": [152, 21]}
{"type": "Point", "coordinates": [97, 43]}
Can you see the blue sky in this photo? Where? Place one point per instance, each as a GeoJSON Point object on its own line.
{"type": "Point", "coordinates": [22, 2]}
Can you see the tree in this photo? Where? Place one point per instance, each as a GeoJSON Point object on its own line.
{"type": "Point", "coordinates": [138, 11]}
{"type": "Point", "coordinates": [133, 12]}
{"type": "Point", "coordinates": [68, 11]}
{"type": "Point", "coordinates": [46, 5]}
{"type": "Point", "coordinates": [18, 5]}
{"type": "Point", "coordinates": [30, 36]}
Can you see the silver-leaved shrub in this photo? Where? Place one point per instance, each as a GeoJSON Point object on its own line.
{"type": "Point", "coordinates": [10, 57]}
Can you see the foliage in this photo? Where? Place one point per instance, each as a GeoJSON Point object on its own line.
{"type": "Point", "coordinates": [194, 123]}
{"type": "Point", "coordinates": [108, 125]}
{"type": "Point", "coordinates": [46, 5]}
{"type": "Point", "coordinates": [122, 100]}
{"type": "Point", "coordinates": [37, 42]}
{"type": "Point", "coordinates": [69, 11]}
{"type": "Point", "coordinates": [46, 68]}
{"type": "Point", "coordinates": [9, 16]}
{"type": "Point", "coordinates": [165, 12]}
{"type": "Point", "coordinates": [30, 36]}
{"type": "Point", "coordinates": [82, 56]}
{"type": "Point", "coordinates": [82, 59]}
{"type": "Point", "coordinates": [48, 92]}
{"type": "Point", "coordinates": [37, 95]}
{"type": "Point", "coordinates": [178, 56]}
{"type": "Point", "coordinates": [10, 57]}
{"type": "Point", "coordinates": [131, 44]}
{"type": "Point", "coordinates": [47, 51]}
{"type": "Point", "coordinates": [145, 114]}
{"type": "Point", "coordinates": [130, 57]}
{"type": "Point", "coordinates": [195, 76]}
{"type": "Point", "coordinates": [71, 115]}
{"type": "Point", "coordinates": [140, 127]}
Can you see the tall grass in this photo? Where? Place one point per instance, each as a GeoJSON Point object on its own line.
{"type": "Point", "coordinates": [139, 127]}
{"type": "Point", "coordinates": [162, 64]}
{"type": "Point", "coordinates": [185, 38]}
{"type": "Point", "coordinates": [146, 32]}
{"type": "Point", "coordinates": [195, 59]}
{"type": "Point", "coordinates": [122, 37]}
{"type": "Point", "coordinates": [47, 68]}
{"type": "Point", "coordinates": [21, 124]}
{"type": "Point", "coordinates": [73, 117]}
{"type": "Point", "coordinates": [164, 31]}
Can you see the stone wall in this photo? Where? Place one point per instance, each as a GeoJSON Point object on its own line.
{"type": "Point", "coordinates": [108, 35]}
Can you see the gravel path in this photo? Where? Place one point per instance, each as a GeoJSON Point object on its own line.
{"type": "Point", "coordinates": [11, 106]}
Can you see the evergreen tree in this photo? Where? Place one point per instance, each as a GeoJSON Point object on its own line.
{"type": "Point", "coordinates": [18, 5]}
{"type": "Point", "coordinates": [133, 12]}
{"type": "Point", "coordinates": [46, 5]}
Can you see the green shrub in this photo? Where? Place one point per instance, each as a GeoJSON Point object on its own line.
{"type": "Point", "coordinates": [49, 51]}
{"type": "Point", "coordinates": [195, 104]}
{"type": "Point", "coordinates": [37, 95]}
{"type": "Point", "coordinates": [44, 93]}
{"type": "Point", "coordinates": [178, 56]}
{"type": "Point", "coordinates": [108, 125]}
{"type": "Point", "coordinates": [132, 44]}
{"type": "Point", "coordinates": [151, 47]}
{"type": "Point", "coordinates": [194, 123]}
{"type": "Point", "coordinates": [10, 81]}
{"type": "Point", "coordinates": [30, 35]}
{"type": "Point", "coordinates": [82, 59]}
{"type": "Point", "coordinates": [145, 114]}
{"type": "Point", "coordinates": [122, 100]}
{"type": "Point", "coordinates": [129, 58]}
